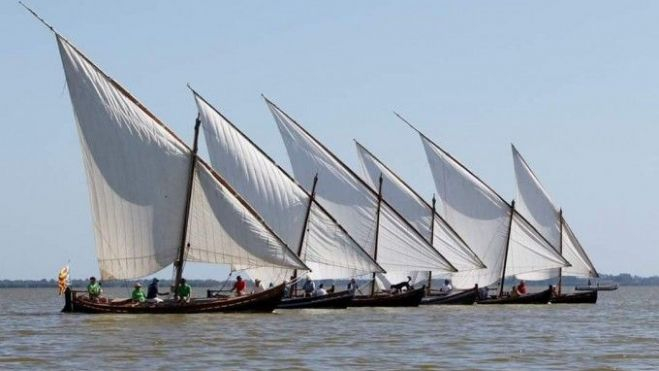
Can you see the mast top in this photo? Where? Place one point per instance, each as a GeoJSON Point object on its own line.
{"type": "Point", "coordinates": [39, 18]}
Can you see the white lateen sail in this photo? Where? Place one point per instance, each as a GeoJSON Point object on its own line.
{"type": "Point", "coordinates": [138, 175]}
{"type": "Point", "coordinates": [534, 203]}
{"type": "Point", "coordinates": [355, 205]}
{"type": "Point", "coordinates": [418, 212]}
{"type": "Point", "coordinates": [489, 225]}
{"type": "Point", "coordinates": [327, 249]}
{"type": "Point", "coordinates": [223, 229]}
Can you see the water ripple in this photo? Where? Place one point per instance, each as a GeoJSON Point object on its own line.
{"type": "Point", "coordinates": [620, 332]}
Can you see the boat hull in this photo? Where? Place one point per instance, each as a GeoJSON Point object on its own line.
{"type": "Point", "coordinates": [467, 297]}
{"type": "Point", "coordinates": [589, 297]}
{"type": "Point", "coordinates": [542, 297]}
{"type": "Point", "coordinates": [263, 302]}
{"type": "Point", "coordinates": [339, 300]}
{"type": "Point", "coordinates": [410, 298]}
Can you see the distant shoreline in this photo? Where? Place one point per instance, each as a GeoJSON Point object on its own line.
{"type": "Point", "coordinates": [623, 279]}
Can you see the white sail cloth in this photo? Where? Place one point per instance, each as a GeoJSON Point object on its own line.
{"type": "Point", "coordinates": [223, 230]}
{"type": "Point", "coordinates": [327, 249]}
{"type": "Point", "coordinates": [534, 203]}
{"type": "Point", "coordinates": [137, 172]}
{"type": "Point", "coordinates": [417, 211]}
{"type": "Point", "coordinates": [576, 255]}
{"type": "Point", "coordinates": [354, 204]}
{"type": "Point", "coordinates": [484, 220]}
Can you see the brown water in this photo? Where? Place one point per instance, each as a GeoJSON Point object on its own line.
{"type": "Point", "coordinates": [620, 332]}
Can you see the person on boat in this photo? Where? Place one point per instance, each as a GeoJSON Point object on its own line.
{"type": "Point", "coordinates": [239, 286]}
{"type": "Point", "coordinates": [309, 287]}
{"type": "Point", "coordinates": [184, 291]}
{"type": "Point", "coordinates": [331, 289]}
{"type": "Point", "coordinates": [554, 291]}
{"type": "Point", "coordinates": [321, 291]}
{"type": "Point", "coordinates": [288, 292]}
{"type": "Point", "coordinates": [447, 287]}
{"type": "Point", "coordinates": [513, 291]}
{"type": "Point", "coordinates": [257, 287]}
{"type": "Point", "coordinates": [520, 290]}
{"type": "Point", "coordinates": [352, 285]}
{"type": "Point", "coordinates": [94, 289]}
{"type": "Point", "coordinates": [138, 294]}
{"type": "Point", "coordinates": [483, 293]}
{"type": "Point", "coordinates": [153, 291]}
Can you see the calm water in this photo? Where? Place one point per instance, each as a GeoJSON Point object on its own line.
{"type": "Point", "coordinates": [620, 332]}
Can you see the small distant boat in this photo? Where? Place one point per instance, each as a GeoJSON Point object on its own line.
{"type": "Point", "coordinates": [338, 300]}
{"type": "Point", "coordinates": [467, 297]}
{"type": "Point", "coordinates": [411, 298]}
{"type": "Point", "coordinates": [598, 287]}
{"type": "Point", "coordinates": [542, 297]}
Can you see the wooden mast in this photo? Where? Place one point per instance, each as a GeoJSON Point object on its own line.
{"type": "Point", "coordinates": [304, 231]}
{"type": "Point", "coordinates": [505, 255]}
{"type": "Point", "coordinates": [377, 231]}
{"type": "Point", "coordinates": [432, 238]}
{"type": "Point", "coordinates": [560, 250]}
{"type": "Point", "coordinates": [178, 264]}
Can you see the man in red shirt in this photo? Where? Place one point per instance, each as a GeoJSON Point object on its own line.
{"type": "Point", "coordinates": [239, 286]}
{"type": "Point", "coordinates": [521, 288]}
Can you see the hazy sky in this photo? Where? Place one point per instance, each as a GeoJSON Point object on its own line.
{"type": "Point", "coordinates": [575, 86]}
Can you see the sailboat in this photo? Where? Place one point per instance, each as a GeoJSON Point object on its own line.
{"type": "Point", "coordinates": [372, 221]}
{"type": "Point", "coordinates": [156, 203]}
{"type": "Point", "coordinates": [294, 214]}
{"type": "Point", "coordinates": [536, 205]}
{"type": "Point", "coordinates": [425, 219]}
{"type": "Point", "coordinates": [503, 239]}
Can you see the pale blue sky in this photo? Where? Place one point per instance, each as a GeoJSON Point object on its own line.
{"type": "Point", "coordinates": [573, 84]}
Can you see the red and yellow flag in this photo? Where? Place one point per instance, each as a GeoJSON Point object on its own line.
{"type": "Point", "coordinates": [63, 279]}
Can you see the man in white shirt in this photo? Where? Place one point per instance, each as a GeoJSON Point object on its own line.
{"type": "Point", "coordinates": [257, 286]}
{"type": "Point", "coordinates": [321, 291]}
{"type": "Point", "coordinates": [447, 288]}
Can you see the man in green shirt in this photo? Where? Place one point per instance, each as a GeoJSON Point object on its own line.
{"type": "Point", "coordinates": [94, 289]}
{"type": "Point", "coordinates": [138, 295]}
{"type": "Point", "coordinates": [184, 291]}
